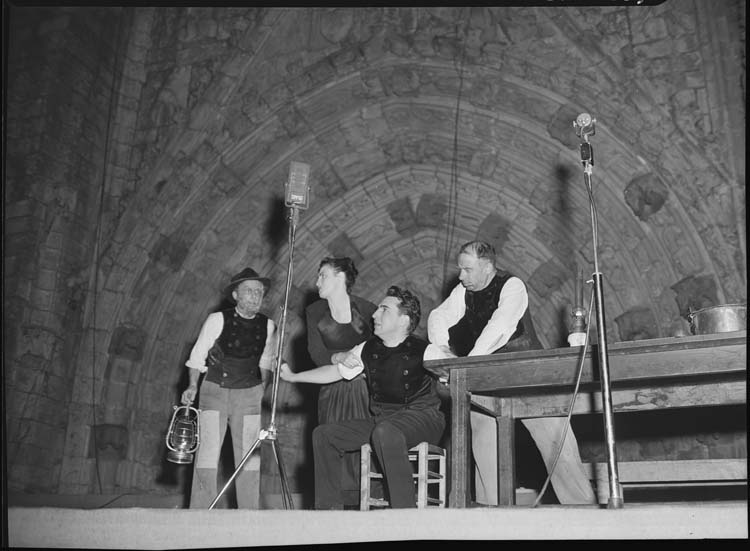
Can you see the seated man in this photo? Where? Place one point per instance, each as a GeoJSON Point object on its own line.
{"type": "Point", "coordinates": [488, 313]}
{"type": "Point", "coordinates": [404, 404]}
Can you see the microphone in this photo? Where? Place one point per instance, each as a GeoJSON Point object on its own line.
{"type": "Point", "coordinates": [585, 125]}
{"type": "Point", "coordinates": [296, 188]}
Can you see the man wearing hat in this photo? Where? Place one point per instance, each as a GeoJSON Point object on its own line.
{"type": "Point", "coordinates": [235, 349]}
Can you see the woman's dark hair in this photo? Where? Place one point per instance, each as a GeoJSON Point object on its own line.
{"type": "Point", "coordinates": [342, 264]}
{"type": "Point", "coordinates": [409, 304]}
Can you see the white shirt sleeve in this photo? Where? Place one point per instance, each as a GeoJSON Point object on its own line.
{"type": "Point", "coordinates": [446, 316]}
{"type": "Point", "coordinates": [434, 352]}
{"type": "Point", "coordinates": [269, 350]}
{"type": "Point", "coordinates": [511, 306]}
{"type": "Point", "coordinates": [210, 331]}
{"type": "Point", "coordinates": [349, 373]}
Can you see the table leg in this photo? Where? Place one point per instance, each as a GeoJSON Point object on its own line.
{"type": "Point", "coordinates": [461, 447]}
{"type": "Point", "coordinates": [506, 457]}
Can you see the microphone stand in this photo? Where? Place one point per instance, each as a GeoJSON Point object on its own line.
{"type": "Point", "coordinates": [269, 433]}
{"type": "Point", "coordinates": [587, 159]}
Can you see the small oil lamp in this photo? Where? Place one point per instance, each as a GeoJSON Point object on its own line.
{"type": "Point", "coordinates": [577, 328]}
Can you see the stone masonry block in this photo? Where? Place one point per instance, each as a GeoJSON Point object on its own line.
{"type": "Point", "coordinates": [107, 303]}
{"type": "Point", "coordinates": [156, 422]}
{"type": "Point", "coordinates": [119, 369]}
{"type": "Point", "coordinates": [694, 293]}
{"type": "Point", "coordinates": [29, 478]}
{"type": "Point", "coordinates": [637, 324]}
{"type": "Point", "coordinates": [45, 318]}
{"type": "Point", "coordinates": [165, 360]}
{"type": "Point", "coordinates": [79, 429]}
{"type": "Point", "coordinates": [31, 451]}
{"type": "Point", "coordinates": [143, 476]}
{"type": "Point", "coordinates": [151, 445]}
{"type": "Point", "coordinates": [555, 239]}
{"type": "Point", "coordinates": [495, 230]}
{"type": "Point", "coordinates": [431, 211]}
{"type": "Point", "coordinates": [115, 403]}
{"type": "Point", "coordinates": [298, 298]}
{"type": "Point", "coordinates": [336, 23]}
{"type": "Point", "coordinates": [50, 259]}
{"type": "Point", "coordinates": [402, 216]}
{"type": "Point", "coordinates": [547, 278]}
{"type": "Point", "coordinates": [342, 245]}
{"type": "Point", "coordinates": [484, 163]}
{"type": "Point", "coordinates": [170, 251]}
{"type": "Point", "coordinates": [645, 195]}
{"type": "Point", "coordinates": [47, 279]}
{"type": "Point", "coordinates": [50, 410]}
{"type": "Point", "coordinates": [43, 299]}
{"type": "Point", "coordinates": [123, 475]}
{"type": "Point", "coordinates": [36, 341]}
{"type": "Point", "coordinates": [18, 225]}
{"type": "Point", "coordinates": [128, 342]}
{"type": "Point", "coordinates": [109, 441]}
{"type": "Point", "coordinates": [560, 127]}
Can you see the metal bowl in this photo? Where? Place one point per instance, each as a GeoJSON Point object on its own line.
{"type": "Point", "coordinates": [719, 319]}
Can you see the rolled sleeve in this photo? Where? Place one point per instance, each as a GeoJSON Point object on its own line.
{"type": "Point", "coordinates": [210, 331]}
{"type": "Point", "coordinates": [511, 306]}
{"type": "Point", "coordinates": [349, 373]}
{"type": "Point", "coordinates": [269, 351]}
{"type": "Point", "coordinates": [445, 316]}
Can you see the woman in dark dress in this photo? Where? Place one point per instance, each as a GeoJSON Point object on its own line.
{"type": "Point", "coordinates": [335, 324]}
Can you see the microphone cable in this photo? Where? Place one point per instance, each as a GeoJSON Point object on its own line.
{"type": "Point", "coordinates": [453, 190]}
{"type": "Point", "coordinates": [570, 407]}
{"type": "Point", "coordinates": [96, 255]}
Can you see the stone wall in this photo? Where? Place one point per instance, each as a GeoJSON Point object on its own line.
{"type": "Point", "coordinates": [59, 98]}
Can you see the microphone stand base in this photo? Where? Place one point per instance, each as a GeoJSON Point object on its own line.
{"type": "Point", "coordinates": [615, 503]}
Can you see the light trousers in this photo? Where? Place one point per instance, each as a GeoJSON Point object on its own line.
{"type": "Point", "coordinates": [569, 478]}
{"type": "Point", "coordinates": [239, 409]}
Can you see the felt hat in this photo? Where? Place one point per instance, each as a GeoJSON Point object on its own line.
{"type": "Point", "coordinates": [245, 275]}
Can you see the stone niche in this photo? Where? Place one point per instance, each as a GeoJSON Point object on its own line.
{"type": "Point", "coordinates": [637, 324]}
{"type": "Point", "coordinates": [109, 445]}
{"type": "Point", "coordinates": [128, 342]}
{"type": "Point", "coordinates": [694, 293]}
{"type": "Point", "coordinates": [645, 195]}
{"type": "Point", "coordinates": [109, 442]}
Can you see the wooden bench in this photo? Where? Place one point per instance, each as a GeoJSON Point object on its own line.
{"type": "Point", "coordinates": [668, 474]}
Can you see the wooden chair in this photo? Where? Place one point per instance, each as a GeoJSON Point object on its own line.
{"type": "Point", "coordinates": [429, 471]}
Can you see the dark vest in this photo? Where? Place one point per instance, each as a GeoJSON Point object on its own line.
{"type": "Point", "coordinates": [240, 345]}
{"type": "Point", "coordinates": [396, 375]}
{"type": "Point", "coordinates": [480, 305]}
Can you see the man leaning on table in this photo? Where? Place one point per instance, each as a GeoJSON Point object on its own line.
{"type": "Point", "coordinates": [488, 313]}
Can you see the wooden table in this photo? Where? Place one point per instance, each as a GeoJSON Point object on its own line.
{"type": "Point", "coordinates": [699, 370]}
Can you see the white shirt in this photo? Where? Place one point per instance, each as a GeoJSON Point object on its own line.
{"type": "Point", "coordinates": [511, 305]}
{"type": "Point", "coordinates": [211, 330]}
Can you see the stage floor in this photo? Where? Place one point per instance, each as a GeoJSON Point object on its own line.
{"type": "Point", "coordinates": [148, 528]}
